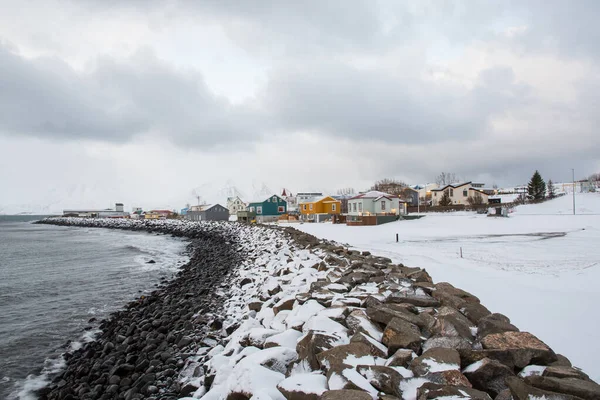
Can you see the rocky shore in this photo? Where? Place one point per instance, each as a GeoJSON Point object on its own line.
{"type": "Point", "coordinates": [308, 319]}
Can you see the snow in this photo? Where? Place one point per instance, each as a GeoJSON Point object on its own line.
{"type": "Point", "coordinates": [435, 366]}
{"type": "Point", "coordinates": [532, 370]}
{"type": "Point", "coordinates": [312, 383]}
{"type": "Point", "coordinates": [540, 258]}
{"type": "Point", "coordinates": [409, 387]}
{"type": "Point", "coordinates": [473, 367]}
{"type": "Point", "coordinates": [288, 338]}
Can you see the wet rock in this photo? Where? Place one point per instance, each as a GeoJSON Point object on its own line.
{"type": "Point", "coordinates": [337, 356]}
{"type": "Point", "coordinates": [564, 372]}
{"type": "Point", "coordinates": [401, 358]}
{"type": "Point", "coordinates": [414, 299]}
{"type": "Point", "coordinates": [522, 391]}
{"type": "Point", "coordinates": [451, 377]}
{"type": "Point", "coordinates": [346, 395]}
{"type": "Point", "coordinates": [384, 379]}
{"type": "Point", "coordinates": [311, 346]}
{"type": "Point", "coordinates": [377, 348]}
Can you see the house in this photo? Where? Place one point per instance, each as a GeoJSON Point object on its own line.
{"type": "Point", "coordinates": [118, 212]}
{"type": "Point", "coordinates": [208, 212]}
{"type": "Point", "coordinates": [269, 209]}
{"type": "Point", "coordinates": [459, 193]}
{"type": "Point", "coordinates": [410, 196]}
{"type": "Point", "coordinates": [425, 191]}
{"type": "Point", "coordinates": [159, 214]}
{"type": "Point", "coordinates": [291, 200]}
{"type": "Point", "coordinates": [320, 209]}
{"type": "Point", "coordinates": [235, 204]}
{"type": "Point", "coordinates": [343, 198]}
{"type": "Point", "coordinates": [306, 197]}
{"type": "Point", "coordinates": [376, 203]}
{"type": "Point", "coordinates": [246, 216]}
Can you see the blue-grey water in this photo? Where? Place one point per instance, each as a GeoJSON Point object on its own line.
{"type": "Point", "coordinates": [53, 280]}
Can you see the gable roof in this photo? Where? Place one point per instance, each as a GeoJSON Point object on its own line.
{"type": "Point", "coordinates": [204, 207]}
{"type": "Point", "coordinates": [264, 199]}
{"type": "Point", "coordinates": [323, 198]}
{"type": "Point", "coordinates": [451, 185]}
{"type": "Point", "coordinates": [373, 194]}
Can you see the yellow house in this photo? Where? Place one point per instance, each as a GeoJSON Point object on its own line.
{"type": "Point", "coordinates": [320, 209]}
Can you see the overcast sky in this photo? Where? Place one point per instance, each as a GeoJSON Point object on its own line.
{"type": "Point", "coordinates": [150, 102]}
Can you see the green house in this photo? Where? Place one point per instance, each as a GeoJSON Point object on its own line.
{"type": "Point", "coordinates": [269, 209]}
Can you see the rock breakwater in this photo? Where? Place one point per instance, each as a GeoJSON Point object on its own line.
{"type": "Point", "coordinates": [310, 319]}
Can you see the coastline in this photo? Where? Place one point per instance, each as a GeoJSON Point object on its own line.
{"type": "Point", "coordinates": [309, 318]}
{"type": "Point", "coordinates": [146, 344]}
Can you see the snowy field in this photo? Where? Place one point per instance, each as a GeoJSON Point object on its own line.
{"type": "Point", "coordinates": [540, 266]}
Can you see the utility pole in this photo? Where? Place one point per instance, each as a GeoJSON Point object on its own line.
{"type": "Point", "coordinates": [573, 170]}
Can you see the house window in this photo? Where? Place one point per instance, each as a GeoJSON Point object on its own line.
{"type": "Point", "coordinates": [383, 205]}
{"type": "Point", "coordinates": [465, 193]}
{"type": "Point", "coordinates": [251, 209]}
{"type": "Point", "coordinates": [281, 209]}
{"type": "Point", "coordinates": [333, 207]}
{"type": "Point", "coordinates": [451, 192]}
{"type": "Point", "coordinates": [274, 199]}
{"type": "Point", "coordinates": [304, 207]}
{"type": "Point", "coordinates": [434, 194]}
{"type": "Point", "coordinates": [354, 207]}
{"type": "Point", "coordinates": [310, 207]}
{"type": "Point", "coordinates": [359, 207]}
{"type": "Point", "coordinates": [259, 210]}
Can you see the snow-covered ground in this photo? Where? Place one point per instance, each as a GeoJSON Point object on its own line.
{"type": "Point", "coordinates": [540, 266]}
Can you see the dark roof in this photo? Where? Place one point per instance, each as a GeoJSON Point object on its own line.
{"type": "Point", "coordinates": [454, 186]}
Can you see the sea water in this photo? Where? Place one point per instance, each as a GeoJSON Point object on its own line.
{"type": "Point", "coordinates": [53, 280]}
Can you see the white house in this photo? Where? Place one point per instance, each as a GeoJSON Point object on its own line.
{"type": "Point", "coordinates": [307, 197]}
{"type": "Point", "coordinates": [459, 193]}
{"type": "Point", "coordinates": [374, 203]}
{"type": "Point", "coordinates": [235, 204]}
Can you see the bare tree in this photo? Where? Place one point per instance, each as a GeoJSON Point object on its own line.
{"type": "Point", "coordinates": [445, 200]}
{"type": "Point", "coordinates": [475, 200]}
{"type": "Point", "coordinates": [346, 191]}
{"type": "Point", "coordinates": [446, 178]}
{"type": "Point", "coordinates": [390, 186]}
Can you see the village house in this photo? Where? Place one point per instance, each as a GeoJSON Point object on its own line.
{"type": "Point", "coordinates": [208, 212]}
{"type": "Point", "coordinates": [320, 209]}
{"type": "Point", "coordinates": [459, 193]}
{"type": "Point", "coordinates": [291, 201]}
{"type": "Point", "coordinates": [269, 209]}
{"type": "Point", "coordinates": [159, 214]}
{"type": "Point", "coordinates": [235, 204]}
{"type": "Point", "coordinates": [375, 203]}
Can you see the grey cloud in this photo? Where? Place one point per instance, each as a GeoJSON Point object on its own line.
{"type": "Point", "coordinates": [116, 101]}
{"type": "Point", "coordinates": [346, 102]}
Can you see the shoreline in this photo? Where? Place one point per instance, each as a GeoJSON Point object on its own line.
{"type": "Point", "coordinates": [311, 319]}
{"type": "Point", "coordinates": [141, 348]}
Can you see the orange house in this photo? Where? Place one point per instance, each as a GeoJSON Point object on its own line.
{"type": "Point", "coordinates": [320, 209]}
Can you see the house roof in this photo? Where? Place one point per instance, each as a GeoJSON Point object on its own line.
{"type": "Point", "coordinates": [322, 198]}
{"type": "Point", "coordinates": [373, 194]}
{"type": "Point", "coordinates": [452, 185]}
{"type": "Point", "coordinates": [262, 200]}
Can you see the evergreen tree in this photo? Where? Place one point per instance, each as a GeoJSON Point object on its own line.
{"type": "Point", "coordinates": [445, 200]}
{"type": "Point", "coordinates": [537, 187]}
{"type": "Point", "coordinates": [551, 189]}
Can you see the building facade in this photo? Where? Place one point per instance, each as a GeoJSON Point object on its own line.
{"type": "Point", "coordinates": [459, 193]}
{"type": "Point", "coordinates": [376, 203]}
{"type": "Point", "coordinates": [208, 212]}
{"type": "Point", "coordinates": [269, 209]}
{"type": "Point", "coordinates": [235, 204]}
{"type": "Point", "coordinates": [320, 209]}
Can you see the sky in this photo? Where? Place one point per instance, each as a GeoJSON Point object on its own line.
{"type": "Point", "coordinates": [153, 103]}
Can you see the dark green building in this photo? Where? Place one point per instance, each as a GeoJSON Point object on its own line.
{"type": "Point", "coordinates": [269, 209]}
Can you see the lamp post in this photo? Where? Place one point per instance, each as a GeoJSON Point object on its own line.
{"type": "Point", "coordinates": [573, 171]}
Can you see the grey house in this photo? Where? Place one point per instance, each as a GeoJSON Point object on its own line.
{"type": "Point", "coordinates": [208, 212]}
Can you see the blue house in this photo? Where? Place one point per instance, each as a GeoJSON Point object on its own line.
{"type": "Point", "coordinates": [269, 209]}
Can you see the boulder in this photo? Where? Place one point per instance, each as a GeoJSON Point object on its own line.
{"type": "Point", "coordinates": [449, 322]}
{"type": "Point", "coordinates": [313, 344]}
{"type": "Point", "coordinates": [358, 321]}
{"type": "Point", "coordinates": [287, 303]}
{"type": "Point", "coordinates": [431, 390]}
{"type": "Point", "coordinates": [377, 348]}
{"type": "Point", "coordinates": [400, 358]}
{"type": "Point", "coordinates": [562, 361]}
{"type": "Point", "coordinates": [522, 391]}
{"type": "Point", "coordinates": [451, 377]}
{"type": "Point", "coordinates": [336, 357]}
{"type": "Point", "coordinates": [474, 312]}
{"type": "Point", "coordinates": [504, 395]}
{"type": "Point", "coordinates": [488, 375]}
{"type": "Point", "coordinates": [384, 313]}
{"type": "Point", "coordinates": [435, 360]}
{"type": "Point", "coordinates": [571, 386]}
{"type": "Point", "coordinates": [524, 347]}
{"type": "Point", "coordinates": [449, 342]}
{"type": "Point", "coordinates": [346, 395]}
{"type": "Point", "coordinates": [565, 372]}
{"type": "Point", "coordinates": [419, 300]}
{"type": "Point", "coordinates": [400, 334]}
{"type": "Point", "coordinates": [384, 379]}
{"type": "Point", "coordinates": [494, 323]}
{"type": "Point", "coordinates": [303, 387]}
